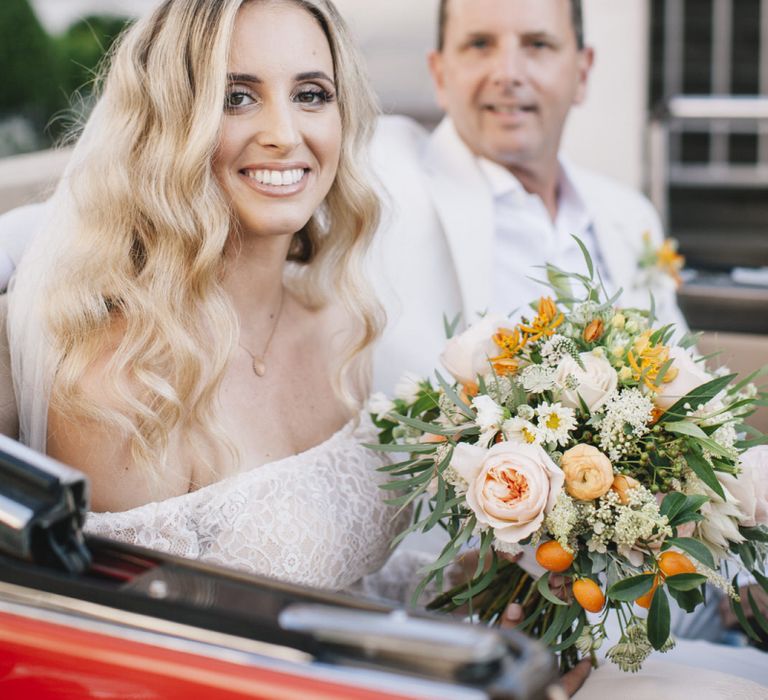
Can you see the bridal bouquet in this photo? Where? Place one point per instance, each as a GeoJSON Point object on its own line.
{"type": "Point", "coordinates": [585, 434]}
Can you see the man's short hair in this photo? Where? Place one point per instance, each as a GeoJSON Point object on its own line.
{"type": "Point", "coordinates": [577, 19]}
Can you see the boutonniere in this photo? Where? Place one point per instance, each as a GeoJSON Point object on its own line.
{"type": "Point", "coordinates": [660, 264]}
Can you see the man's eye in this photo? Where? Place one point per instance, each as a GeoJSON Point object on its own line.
{"type": "Point", "coordinates": [479, 43]}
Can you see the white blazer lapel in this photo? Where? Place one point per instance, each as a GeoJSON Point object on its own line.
{"type": "Point", "coordinates": [464, 205]}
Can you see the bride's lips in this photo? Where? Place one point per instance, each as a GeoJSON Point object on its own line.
{"type": "Point", "coordinates": [276, 179]}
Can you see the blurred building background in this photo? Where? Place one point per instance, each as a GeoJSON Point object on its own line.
{"type": "Point", "coordinates": [704, 161]}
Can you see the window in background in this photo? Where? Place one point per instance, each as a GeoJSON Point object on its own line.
{"type": "Point", "coordinates": [717, 170]}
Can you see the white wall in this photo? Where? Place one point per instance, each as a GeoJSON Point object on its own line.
{"type": "Point", "coordinates": [607, 133]}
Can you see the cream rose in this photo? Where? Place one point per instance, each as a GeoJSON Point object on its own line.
{"type": "Point", "coordinates": [750, 488]}
{"type": "Point", "coordinates": [588, 472]}
{"type": "Point", "coordinates": [687, 376]}
{"type": "Point", "coordinates": [595, 383]}
{"type": "Point", "coordinates": [511, 486]}
{"type": "Point", "coordinates": [466, 355]}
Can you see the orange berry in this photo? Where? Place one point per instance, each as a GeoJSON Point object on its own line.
{"type": "Point", "coordinates": [673, 563]}
{"type": "Point", "coordinates": [552, 556]}
{"type": "Point", "coordinates": [588, 595]}
{"type": "Point", "coordinates": [644, 601]}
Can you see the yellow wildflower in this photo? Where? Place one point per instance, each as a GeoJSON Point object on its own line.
{"type": "Point", "coordinates": [646, 360]}
{"type": "Point", "coordinates": [545, 323]}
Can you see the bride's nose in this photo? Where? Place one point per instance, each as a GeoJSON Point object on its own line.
{"type": "Point", "coordinates": [278, 128]}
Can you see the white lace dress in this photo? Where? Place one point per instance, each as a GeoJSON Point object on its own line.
{"type": "Point", "coordinates": [317, 518]}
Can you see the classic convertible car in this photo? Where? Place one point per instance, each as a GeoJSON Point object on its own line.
{"type": "Point", "coordinates": [83, 617]}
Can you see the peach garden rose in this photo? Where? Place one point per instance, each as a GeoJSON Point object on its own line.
{"type": "Point", "coordinates": [511, 486]}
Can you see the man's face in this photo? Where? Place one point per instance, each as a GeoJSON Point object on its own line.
{"type": "Point", "coordinates": [509, 72]}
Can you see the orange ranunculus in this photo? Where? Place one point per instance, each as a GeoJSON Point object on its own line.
{"type": "Point", "coordinates": [588, 472]}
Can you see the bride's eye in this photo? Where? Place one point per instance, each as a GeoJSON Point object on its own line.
{"type": "Point", "coordinates": [237, 98]}
{"type": "Point", "coordinates": [313, 96]}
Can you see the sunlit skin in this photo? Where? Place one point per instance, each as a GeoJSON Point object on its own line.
{"type": "Point", "coordinates": [508, 75]}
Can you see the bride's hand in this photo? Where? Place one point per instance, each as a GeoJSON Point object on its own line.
{"type": "Point", "coordinates": [571, 681]}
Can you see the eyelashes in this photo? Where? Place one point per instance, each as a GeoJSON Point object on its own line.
{"type": "Point", "coordinates": [239, 97]}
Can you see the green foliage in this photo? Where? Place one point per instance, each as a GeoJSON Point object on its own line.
{"type": "Point", "coordinates": [40, 73]}
{"type": "Point", "coordinates": [30, 65]}
{"type": "Point", "coordinates": [631, 588]}
{"type": "Point", "coordinates": [82, 47]}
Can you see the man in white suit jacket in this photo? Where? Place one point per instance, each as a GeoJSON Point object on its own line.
{"type": "Point", "coordinates": [473, 208]}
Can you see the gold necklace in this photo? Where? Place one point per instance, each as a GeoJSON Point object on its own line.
{"type": "Point", "coordinates": [258, 363]}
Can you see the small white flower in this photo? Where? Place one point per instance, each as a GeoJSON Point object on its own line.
{"type": "Point", "coordinates": [526, 412]}
{"type": "Point", "coordinates": [408, 387]}
{"type": "Point", "coordinates": [537, 379]}
{"type": "Point", "coordinates": [556, 422]}
{"type": "Point", "coordinates": [520, 430]}
{"type": "Point", "coordinates": [379, 404]}
{"type": "Point", "coordinates": [489, 414]}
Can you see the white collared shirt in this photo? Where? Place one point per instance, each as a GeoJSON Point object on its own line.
{"type": "Point", "coordinates": [525, 238]}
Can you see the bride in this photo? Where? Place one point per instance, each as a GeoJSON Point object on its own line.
{"type": "Point", "coordinates": [215, 202]}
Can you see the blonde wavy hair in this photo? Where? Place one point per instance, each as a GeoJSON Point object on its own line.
{"type": "Point", "coordinates": [140, 279]}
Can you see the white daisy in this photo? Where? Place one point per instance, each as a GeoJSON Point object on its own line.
{"type": "Point", "coordinates": [556, 422]}
{"type": "Point", "coordinates": [519, 430]}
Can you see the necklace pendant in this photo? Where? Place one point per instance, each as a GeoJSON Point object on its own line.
{"type": "Point", "coordinates": [259, 368]}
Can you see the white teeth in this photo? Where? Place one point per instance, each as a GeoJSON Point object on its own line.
{"type": "Point", "coordinates": [276, 178]}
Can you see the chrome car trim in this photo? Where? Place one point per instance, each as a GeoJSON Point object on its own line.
{"type": "Point", "coordinates": [100, 619]}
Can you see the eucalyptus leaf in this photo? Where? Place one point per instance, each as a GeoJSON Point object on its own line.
{"type": "Point", "coordinates": [542, 585]}
{"type": "Point", "coordinates": [424, 427]}
{"type": "Point", "coordinates": [418, 448]}
{"type": "Point", "coordinates": [757, 614]}
{"type": "Point", "coordinates": [587, 257]}
{"type": "Point", "coordinates": [761, 579]}
{"type": "Point", "coordinates": [570, 640]}
{"type": "Point", "coordinates": [696, 398]}
{"type": "Point", "coordinates": [454, 397]}
{"type": "Point", "coordinates": [739, 612]}
{"type": "Point", "coordinates": [451, 326]}
{"type": "Point", "coordinates": [685, 427]}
